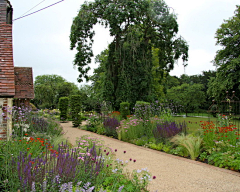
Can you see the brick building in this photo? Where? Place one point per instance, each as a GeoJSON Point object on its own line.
{"type": "Point", "coordinates": [15, 82]}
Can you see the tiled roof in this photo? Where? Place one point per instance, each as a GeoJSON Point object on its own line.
{"type": "Point", "coordinates": [23, 83]}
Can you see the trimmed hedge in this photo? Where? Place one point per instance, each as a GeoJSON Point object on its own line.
{"type": "Point", "coordinates": [124, 109]}
{"type": "Point", "coordinates": [63, 107]}
{"type": "Point", "coordinates": [75, 102]}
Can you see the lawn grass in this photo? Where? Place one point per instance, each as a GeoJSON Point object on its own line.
{"type": "Point", "coordinates": [193, 123]}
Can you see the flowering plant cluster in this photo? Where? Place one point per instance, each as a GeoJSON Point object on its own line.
{"type": "Point", "coordinates": [213, 133]}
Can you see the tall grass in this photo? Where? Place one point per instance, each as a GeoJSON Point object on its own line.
{"type": "Point", "coordinates": [191, 143]}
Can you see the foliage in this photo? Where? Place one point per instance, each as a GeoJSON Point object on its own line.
{"type": "Point", "coordinates": [75, 103]}
{"type": "Point", "coordinates": [158, 146]}
{"type": "Point", "coordinates": [203, 79]}
{"type": "Point", "coordinates": [110, 125]}
{"type": "Point", "coordinates": [63, 107]}
{"type": "Point", "coordinates": [124, 109]}
{"type": "Point", "coordinates": [227, 59]}
{"type": "Point", "coordinates": [142, 110]}
{"type": "Point", "coordinates": [93, 122]}
{"type": "Point", "coordinates": [189, 96]}
{"type": "Point", "coordinates": [167, 129]}
{"type": "Point", "coordinates": [191, 143]}
{"type": "Point", "coordinates": [49, 88]}
{"type": "Point", "coordinates": [136, 26]}
{"type": "Point", "coordinates": [99, 74]}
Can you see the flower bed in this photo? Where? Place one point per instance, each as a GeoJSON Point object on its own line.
{"type": "Point", "coordinates": [213, 143]}
{"type": "Point", "coordinates": [30, 162]}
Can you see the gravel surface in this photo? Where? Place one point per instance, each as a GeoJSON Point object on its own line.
{"type": "Point", "coordinates": [172, 173]}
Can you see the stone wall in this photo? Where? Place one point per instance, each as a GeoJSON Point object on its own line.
{"type": "Point", "coordinates": [5, 118]}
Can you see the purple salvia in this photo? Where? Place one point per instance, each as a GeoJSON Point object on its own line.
{"type": "Point", "coordinates": [86, 185]}
{"type": "Point", "coordinates": [70, 187]}
{"type": "Point", "coordinates": [44, 186]}
{"type": "Point", "coordinates": [33, 187]}
{"type": "Point", "coordinates": [63, 187]}
{"type": "Point", "coordinates": [120, 188]}
{"type": "Point", "coordinates": [90, 189]}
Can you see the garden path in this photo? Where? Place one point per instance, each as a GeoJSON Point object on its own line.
{"type": "Point", "coordinates": [173, 174]}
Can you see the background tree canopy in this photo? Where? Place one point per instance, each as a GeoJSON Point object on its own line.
{"type": "Point", "coordinates": [49, 88]}
{"type": "Point", "coordinates": [138, 26]}
{"type": "Point", "coordinates": [190, 97]}
{"type": "Point", "coordinates": [227, 59]}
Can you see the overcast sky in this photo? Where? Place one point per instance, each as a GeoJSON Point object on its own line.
{"type": "Point", "coordinates": [41, 41]}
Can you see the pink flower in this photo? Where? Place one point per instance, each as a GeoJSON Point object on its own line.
{"type": "Point", "coordinates": [81, 158]}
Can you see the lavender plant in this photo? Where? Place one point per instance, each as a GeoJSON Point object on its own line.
{"type": "Point", "coordinates": [168, 129]}
{"type": "Point", "coordinates": [43, 125]}
{"type": "Point", "coordinates": [66, 165]}
{"type": "Point", "coordinates": [110, 125]}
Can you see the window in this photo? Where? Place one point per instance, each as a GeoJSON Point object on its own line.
{"type": "Point", "coordinates": [9, 14]}
{"type": "Point", "coordinates": [1, 111]}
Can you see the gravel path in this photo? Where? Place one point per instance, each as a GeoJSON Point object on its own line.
{"type": "Point", "coordinates": [173, 174]}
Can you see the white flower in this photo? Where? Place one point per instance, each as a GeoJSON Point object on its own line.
{"type": "Point", "coordinates": [139, 171]}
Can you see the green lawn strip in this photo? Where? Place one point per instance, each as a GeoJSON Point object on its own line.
{"type": "Point", "coordinates": [193, 123]}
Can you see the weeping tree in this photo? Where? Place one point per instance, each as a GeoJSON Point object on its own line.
{"type": "Point", "coordinates": [137, 26]}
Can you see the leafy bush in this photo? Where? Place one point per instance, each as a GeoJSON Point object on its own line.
{"type": "Point", "coordinates": [158, 146]}
{"type": "Point", "coordinates": [110, 125]}
{"type": "Point", "coordinates": [93, 121]}
{"type": "Point", "coordinates": [142, 110]}
{"type": "Point", "coordinates": [124, 109]}
{"type": "Point", "coordinates": [63, 107]}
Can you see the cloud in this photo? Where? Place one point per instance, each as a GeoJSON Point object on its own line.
{"type": "Point", "coordinates": [199, 60]}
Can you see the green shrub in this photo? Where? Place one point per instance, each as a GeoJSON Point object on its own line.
{"type": "Point", "coordinates": [124, 109]}
{"type": "Point", "coordinates": [142, 109]}
{"type": "Point", "coordinates": [63, 107]}
{"type": "Point", "coordinates": [155, 146]}
{"type": "Point", "coordinates": [75, 102]}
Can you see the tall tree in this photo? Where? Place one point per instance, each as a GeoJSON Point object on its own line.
{"type": "Point", "coordinates": [137, 26]}
{"type": "Point", "coordinates": [227, 59]}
